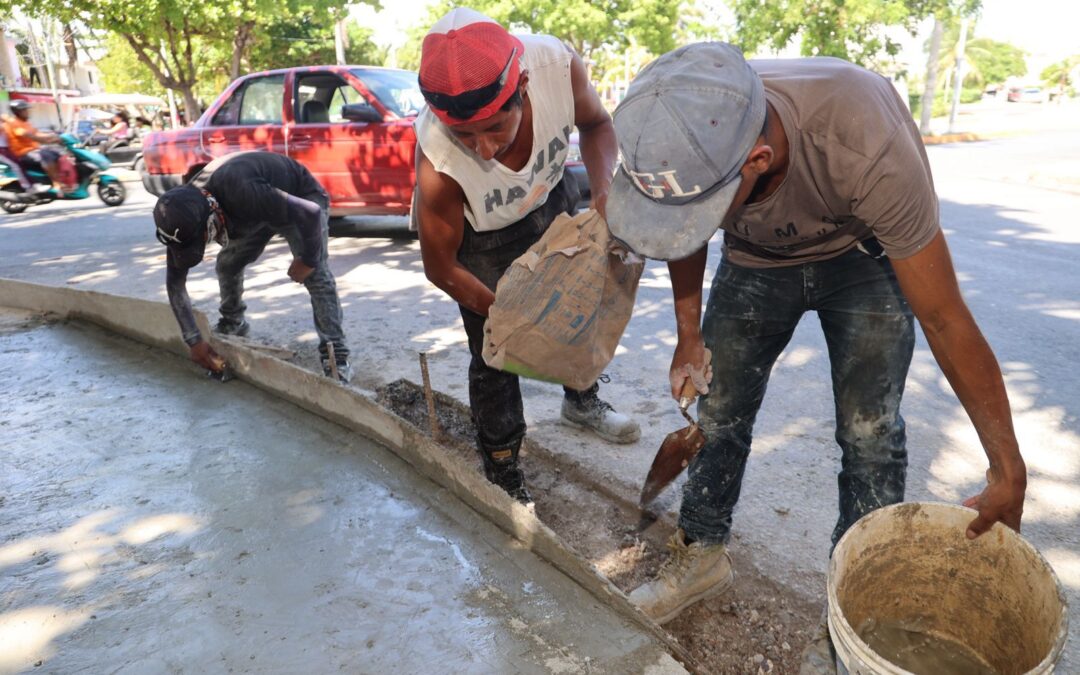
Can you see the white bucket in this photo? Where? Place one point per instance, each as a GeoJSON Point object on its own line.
{"type": "Point", "coordinates": [911, 568]}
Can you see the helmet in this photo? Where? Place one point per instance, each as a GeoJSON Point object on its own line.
{"type": "Point", "coordinates": [19, 104]}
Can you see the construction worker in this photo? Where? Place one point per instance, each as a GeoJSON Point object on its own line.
{"type": "Point", "coordinates": [817, 174]}
{"type": "Point", "coordinates": [491, 156]}
{"type": "Point", "coordinates": [241, 201]}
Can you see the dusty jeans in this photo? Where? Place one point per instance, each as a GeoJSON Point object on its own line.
{"type": "Point", "coordinates": [494, 395]}
{"type": "Point", "coordinates": [246, 249]}
{"type": "Point", "coordinates": [869, 330]}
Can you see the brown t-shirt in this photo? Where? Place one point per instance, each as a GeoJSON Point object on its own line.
{"type": "Point", "coordinates": [857, 169]}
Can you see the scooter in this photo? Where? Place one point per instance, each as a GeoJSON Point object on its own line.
{"type": "Point", "coordinates": [90, 167]}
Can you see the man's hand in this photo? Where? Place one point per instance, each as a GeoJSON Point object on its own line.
{"type": "Point", "coordinates": [1002, 500]}
{"type": "Point", "coordinates": [204, 355]}
{"type": "Point", "coordinates": [299, 272]}
{"type": "Point", "coordinates": [691, 360]}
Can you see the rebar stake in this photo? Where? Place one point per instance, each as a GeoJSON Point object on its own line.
{"type": "Point", "coordinates": [433, 422]}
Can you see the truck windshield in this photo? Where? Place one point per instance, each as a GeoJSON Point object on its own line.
{"type": "Point", "coordinates": [398, 90]}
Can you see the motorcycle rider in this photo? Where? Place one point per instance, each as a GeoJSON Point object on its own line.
{"type": "Point", "coordinates": [9, 159]}
{"type": "Point", "coordinates": [25, 142]}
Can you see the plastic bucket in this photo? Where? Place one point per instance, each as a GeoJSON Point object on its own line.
{"type": "Point", "coordinates": [908, 592]}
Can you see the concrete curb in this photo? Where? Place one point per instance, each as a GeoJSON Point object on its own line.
{"type": "Point", "coordinates": [152, 323]}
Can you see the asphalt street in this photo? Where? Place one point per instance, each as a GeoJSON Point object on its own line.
{"type": "Point", "coordinates": [1009, 208]}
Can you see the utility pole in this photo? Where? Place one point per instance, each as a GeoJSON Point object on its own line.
{"type": "Point", "coordinates": [927, 104]}
{"type": "Point", "coordinates": [341, 40]}
{"type": "Point", "coordinates": [8, 71]}
{"type": "Point", "coordinates": [961, 46]}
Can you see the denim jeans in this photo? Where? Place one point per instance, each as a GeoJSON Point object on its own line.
{"type": "Point", "coordinates": [495, 395]}
{"type": "Point", "coordinates": [246, 249]}
{"type": "Point", "coordinates": [869, 330]}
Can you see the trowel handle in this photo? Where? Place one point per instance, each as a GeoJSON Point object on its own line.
{"type": "Point", "coordinates": [688, 394]}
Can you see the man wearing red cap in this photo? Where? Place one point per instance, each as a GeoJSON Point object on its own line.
{"type": "Point", "coordinates": [492, 147]}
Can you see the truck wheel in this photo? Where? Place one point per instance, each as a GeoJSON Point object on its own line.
{"type": "Point", "coordinates": [113, 194]}
{"type": "Point", "coordinates": [13, 207]}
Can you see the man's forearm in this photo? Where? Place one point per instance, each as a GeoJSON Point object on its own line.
{"type": "Point", "coordinates": [176, 288]}
{"type": "Point", "coordinates": [307, 216]}
{"type": "Point", "coordinates": [971, 368]}
{"type": "Point", "coordinates": [468, 291]}
{"type": "Point", "coordinates": [599, 153]}
{"type": "Point", "coordinates": [687, 276]}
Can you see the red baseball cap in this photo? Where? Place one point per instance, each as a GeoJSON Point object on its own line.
{"type": "Point", "coordinates": [469, 66]}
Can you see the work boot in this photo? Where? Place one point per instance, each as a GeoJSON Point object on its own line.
{"type": "Point", "coordinates": [586, 410]}
{"type": "Point", "coordinates": [512, 481]}
{"type": "Point", "coordinates": [229, 327]}
{"type": "Point", "coordinates": [501, 468]}
{"type": "Point", "coordinates": [341, 363]}
{"type": "Point", "coordinates": [693, 572]}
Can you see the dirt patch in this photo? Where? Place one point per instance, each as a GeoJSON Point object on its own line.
{"type": "Point", "coordinates": [759, 627]}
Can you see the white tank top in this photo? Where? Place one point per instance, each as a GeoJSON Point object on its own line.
{"type": "Point", "coordinates": [496, 196]}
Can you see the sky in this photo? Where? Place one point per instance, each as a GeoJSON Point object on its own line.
{"type": "Point", "coordinates": [1049, 30]}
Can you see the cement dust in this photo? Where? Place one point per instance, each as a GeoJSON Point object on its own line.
{"type": "Point", "coordinates": [909, 647]}
{"type": "Point", "coordinates": [760, 626]}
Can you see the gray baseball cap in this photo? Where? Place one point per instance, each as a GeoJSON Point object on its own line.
{"type": "Point", "coordinates": [685, 128]}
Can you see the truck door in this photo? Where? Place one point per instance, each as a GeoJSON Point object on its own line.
{"type": "Point", "coordinates": [358, 163]}
{"type": "Point", "coordinates": [250, 118]}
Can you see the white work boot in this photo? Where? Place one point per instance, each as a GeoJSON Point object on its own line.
{"type": "Point", "coordinates": [692, 573]}
{"type": "Point", "coordinates": [588, 411]}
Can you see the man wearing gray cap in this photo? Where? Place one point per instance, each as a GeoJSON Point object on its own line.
{"type": "Point", "coordinates": [816, 173]}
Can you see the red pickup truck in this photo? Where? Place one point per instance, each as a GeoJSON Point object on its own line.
{"type": "Point", "coordinates": [351, 126]}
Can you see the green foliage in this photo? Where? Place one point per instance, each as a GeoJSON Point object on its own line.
{"type": "Point", "coordinates": [943, 101]}
{"type": "Point", "coordinates": [987, 61]}
{"type": "Point", "coordinates": [309, 40]}
{"type": "Point", "coordinates": [185, 44]}
{"type": "Point", "coordinates": [850, 29]}
{"type": "Point", "coordinates": [993, 62]}
{"type": "Point", "coordinates": [591, 28]}
{"type": "Point", "coordinates": [122, 72]}
{"type": "Point", "coordinates": [1064, 73]}
{"type": "Point", "coordinates": [855, 30]}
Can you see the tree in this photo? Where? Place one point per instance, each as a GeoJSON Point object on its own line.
{"type": "Point", "coordinates": [173, 38]}
{"type": "Point", "coordinates": [930, 87]}
{"type": "Point", "coordinates": [589, 27]}
{"type": "Point", "coordinates": [988, 61]}
{"type": "Point", "coordinates": [855, 30]}
{"type": "Point", "coordinates": [943, 11]}
{"type": "Point", "coordinates": [309, 39]}
{"type": "Point", "coordinates": [1063, 74]}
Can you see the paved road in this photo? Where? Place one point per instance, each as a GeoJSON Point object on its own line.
{"type": "Point", "coordinates": [1009, 207]}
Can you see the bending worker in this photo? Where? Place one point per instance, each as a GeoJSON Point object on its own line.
{"type": "Point", "coordinates": [491, 157]}
{"type": "Point", "coordinates": [241, 201]}
{"type": "Point", "coordinates": [817, 174]}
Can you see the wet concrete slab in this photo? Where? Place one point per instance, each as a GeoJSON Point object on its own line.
{"type": "Point", "coordinates": [155, 521]}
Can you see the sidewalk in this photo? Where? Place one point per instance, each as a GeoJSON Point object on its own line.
{"type": "Point", "coordinates": [1000, 119]}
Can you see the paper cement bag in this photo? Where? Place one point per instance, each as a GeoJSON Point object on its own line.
{"type": "Point", "coordinates": [561, 308]}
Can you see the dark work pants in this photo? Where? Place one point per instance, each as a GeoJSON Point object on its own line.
{"type": "Point", "coordinates": [320, 284]}
{"type": "Point", "coordinates": [494, 395]}
{"type": "Point", "coordinates": [869, 330]}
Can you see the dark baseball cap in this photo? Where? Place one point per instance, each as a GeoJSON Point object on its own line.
{"type": "Point", "coordinates": [180, 217]}
{"type": "Point", "coordinates": [688, 122]}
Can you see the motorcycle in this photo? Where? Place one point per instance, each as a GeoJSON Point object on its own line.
{"type": "Point", "coordinates": [90, 167]}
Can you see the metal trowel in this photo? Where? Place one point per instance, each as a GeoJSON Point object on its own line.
{"type": "Point", "coordinates": [221, 370]}
{"type": "Point", "coordinates": [678, 448]}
